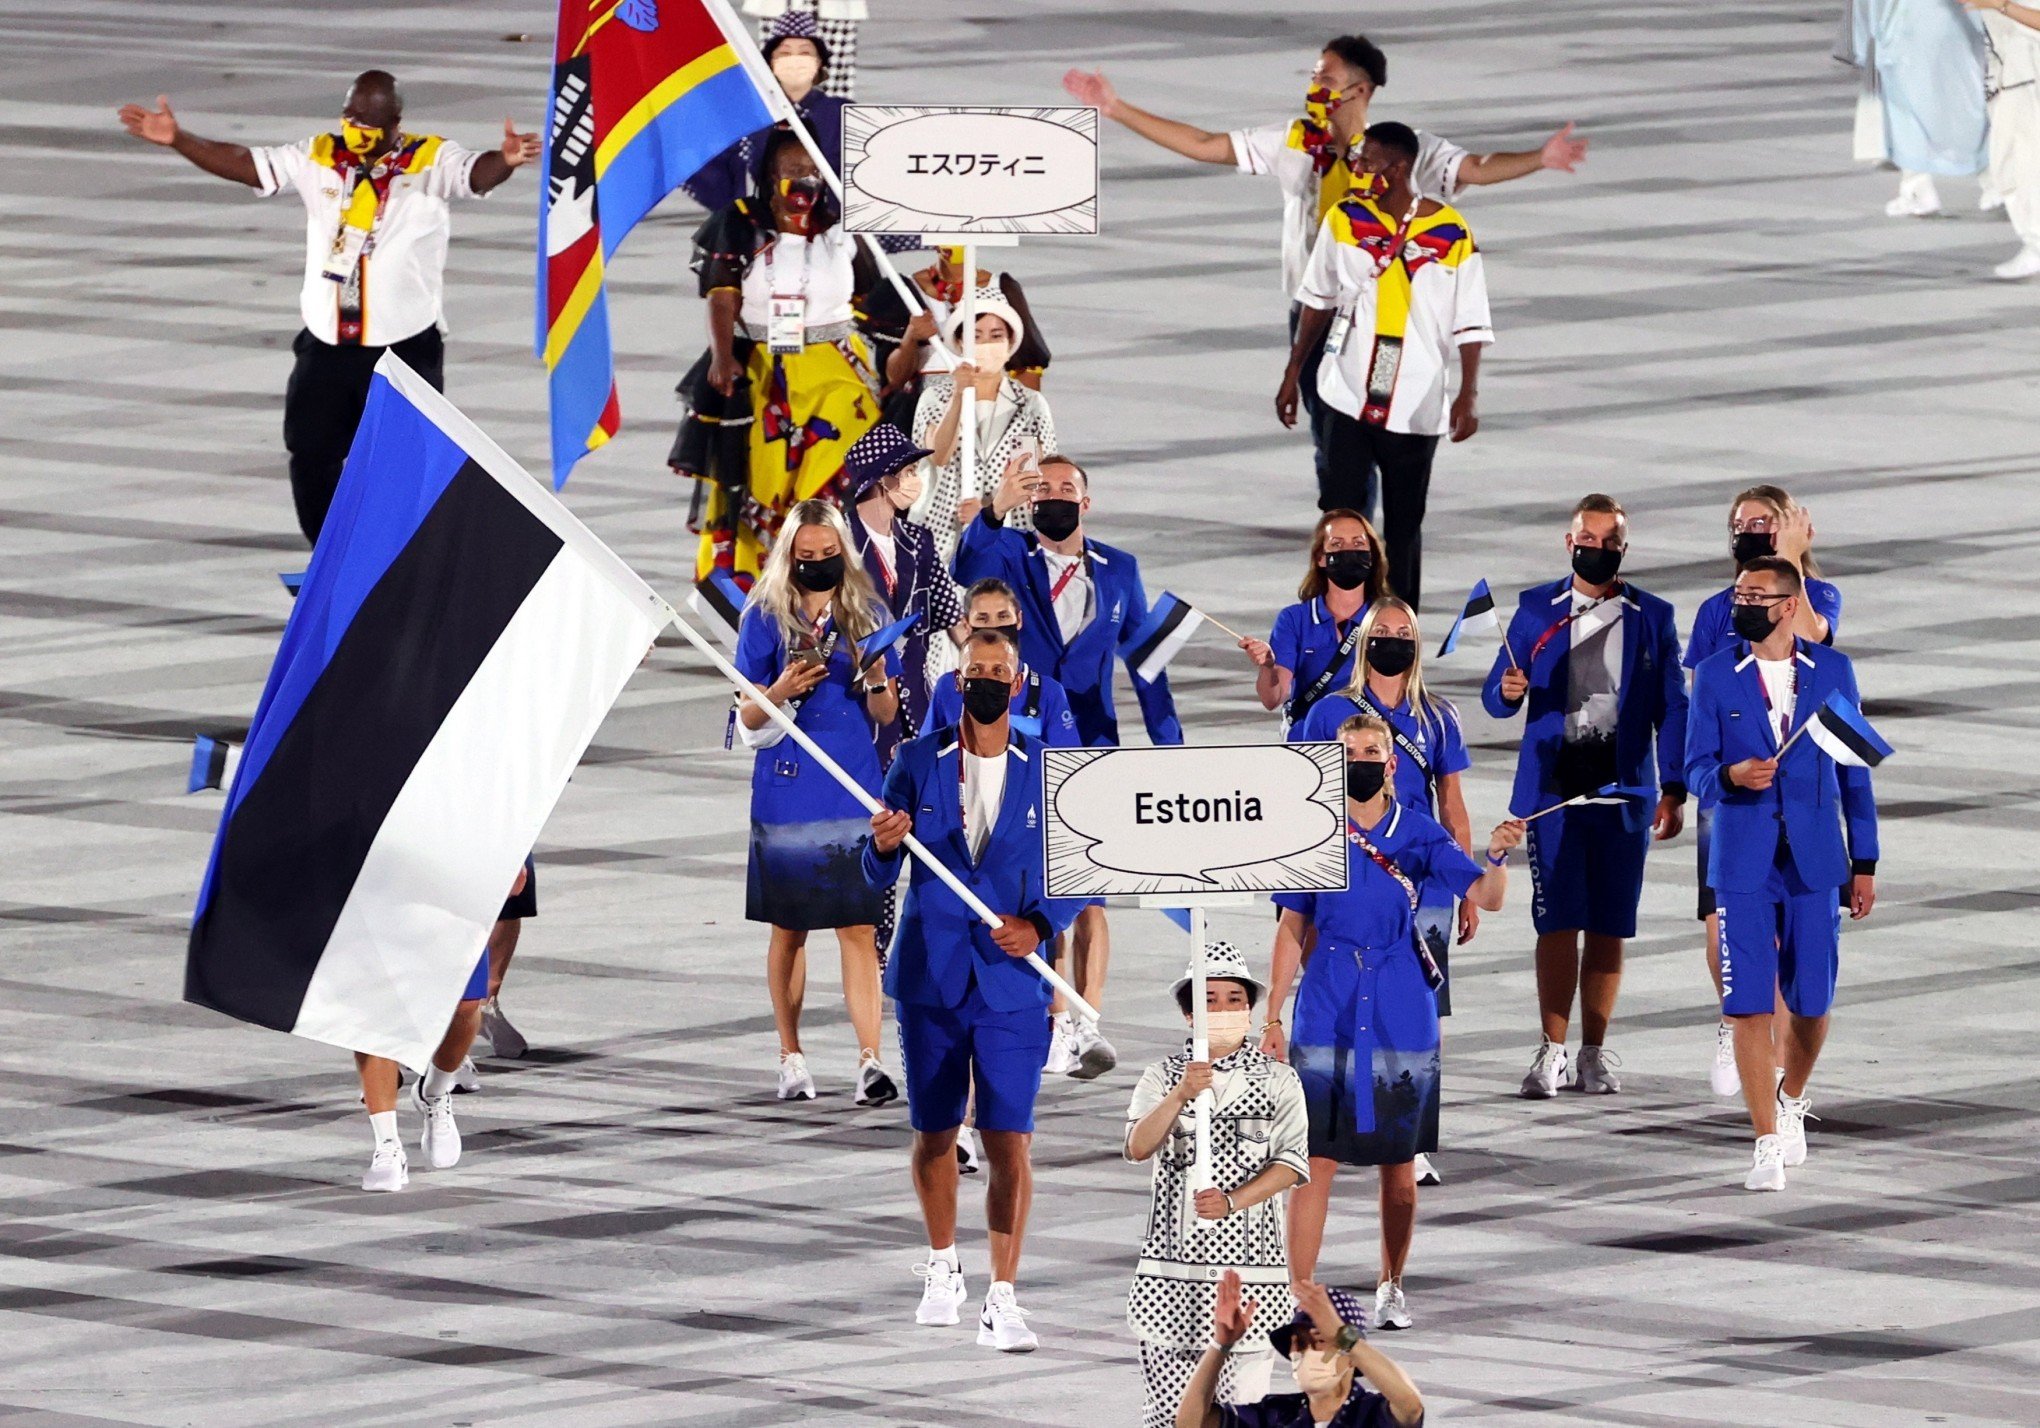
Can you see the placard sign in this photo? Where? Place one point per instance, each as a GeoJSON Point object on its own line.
{"type": "Point", "coordinates": [1233, 818]}
{"type": "Point", "coordinates": [921, 169]}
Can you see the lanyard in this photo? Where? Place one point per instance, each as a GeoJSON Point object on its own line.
{"type": "Point", "coordinates": [1764, 688]}
{"type": "Point", "coordinates": [1063, 580]}
{"type": "Point", "coordinates": [1547, 637]}
{"type": "Point", "coordinates": [1432, 976]}
{"type": "Point", "coordinates": [772, 264]}
{"type": "Point", "coordinates": [1395, 242]}
{"type": "Point", "coordinates": [1300, 705]}
{"type": "Point", "coordinates": [885, 569]}
{"type": "Point", "coordinates": [1402, 740]}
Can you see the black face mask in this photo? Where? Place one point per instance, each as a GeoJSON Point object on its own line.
{"type": "Point", "coordinates": [1349, 569]}
{"type": "Point", "coordinates": [986, 699]}
{"type": "Point", "coordinates": [1752, 622]}
{"type": "Point", "coordinates": [1058, 520]}
{"type": "Point", "coordinates": [1391, 656]}
{"type": "Point", "coordinates": [816, 576]}
{"type": "Point", "coordinates": [1596, 564]}
{"type": "Point", "coordinates": [1752, 545]}
{"type": "Point", "coordinates": [1364, 778]}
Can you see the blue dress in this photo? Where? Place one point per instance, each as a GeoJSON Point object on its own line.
{"type": "Point", "coordinates": [1365, 1040]}
{"type": "Point", "coordinates": [1439, 738]}
{"type": "Point", "coordinates": [807, 832]}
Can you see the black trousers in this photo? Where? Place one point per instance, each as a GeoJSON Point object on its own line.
{"type": "Point", "coordinates": [1355, 455]}
{"type": "Point", "coordinates": [322, 406]}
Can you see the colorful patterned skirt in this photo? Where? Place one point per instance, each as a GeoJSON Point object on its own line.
{"type": "Point", "coordinates": [1365, 1046]}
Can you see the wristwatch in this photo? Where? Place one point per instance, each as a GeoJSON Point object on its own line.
{"type": "Point", "coordinates": [1347, 1337]}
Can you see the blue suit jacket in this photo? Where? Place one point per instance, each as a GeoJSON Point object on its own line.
{"type": "Point", "coordinates": [1731, 722]}
{"type": "Point", "coordinates": [942, 945]}
{"type": "Point", "coordinates": [1084, 666]}
{"type": "Point", "coordinates": [1651, 704]}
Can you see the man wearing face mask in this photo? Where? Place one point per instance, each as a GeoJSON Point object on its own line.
{"type": "Point", "coordinates": [1795, 839]}
{"type": "Point", "coordinates": [376, 228]}
{"type": "Point", "coordinates": [1607, 704]}
{"type": "Point", "coordinates": [1329, 1356]}
{"type": "Point", "coordinates": [799, 59]}
{"type": "Point", "coordinates": [973, 1018]}
{"type": "Point", "coordinates": [882, 479]}
{"type": "Point", "coordinates": [1396, 293]}
{"type": "Point", "coordinates": [1080, 598]}
{"type": "Point", "coordinates": [1260, 1147]}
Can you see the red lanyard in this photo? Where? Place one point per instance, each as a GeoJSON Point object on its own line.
{"type": "Point", "coordinates": [1550, 634]}
{"type": "Point", "coordinates": [1062, 581]}
{"type": "Point", "coordinates": [1381, 859]}
{"type": "Point", "coordinates": [885, 569]}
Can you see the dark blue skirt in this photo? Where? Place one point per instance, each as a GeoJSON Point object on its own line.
{"type": "Point", "coordinates": [1366, 1049]}
{"type": "Point", "coordinates": [809, 876]}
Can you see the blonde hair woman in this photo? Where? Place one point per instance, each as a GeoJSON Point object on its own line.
{"type": "Point", "coordinates": [811, 610]}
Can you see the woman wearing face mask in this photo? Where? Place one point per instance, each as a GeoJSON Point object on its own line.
{"type": "Point", "coordinates": [1260, 1146]}
{"type": "Point", "coordinates": [1366, 1022]}
{"type": "Point", "coordinates": [786, 386]}
{"type": "Point", "coordinates": [1763, 520]}
{"type": "Point", "coordinates": [799, 642]}
{"type": "Point", "coordinates": [1310, 651]}
{"type": "Point", "coordinates": [1012, 419]}
{"type": "Point", "coordinates": [906, 340]}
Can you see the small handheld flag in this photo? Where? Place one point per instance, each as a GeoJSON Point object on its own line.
{"type": "Point", "coordinates": [1478, 614]}
{"type": "Point", "coordinates": [214, 758]}
{"type": "Point", "coordinates": [1606, 793]}
{"type": "Point", "coordinates": [1169, 625]}
{"type": "Point", "coordinates": [720, 602]}
{"type": "Point", "coordinates": [874, 647]}
{"type": "Point", "coordinates": [1840, 728]}
{"type": "Point", "coordinates": [293, 581]}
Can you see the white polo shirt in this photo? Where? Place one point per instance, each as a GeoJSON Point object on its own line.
{"type": "Point", "coordinates": [1266, 150]}
{"type": "Point", "coordinates": [403, 265]}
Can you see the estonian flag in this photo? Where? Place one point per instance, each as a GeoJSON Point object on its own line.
{"type": "Point", "coordinates": [214, 760]}
{"type": "Point", "coordinates": [873, 649]}
{"type": "Point", "coordinates": [720, 602]}
{"type": "Point", "coordinates": [1620, 793]}
{"type": "Point", "coordinates": [458, 640]}
{"type": "Point", "coordinates": [1479, 614]}
{"type": "Point", "coordinates": [1168, 627]}
{"type": "Point", "coordinates": [1839, 727]}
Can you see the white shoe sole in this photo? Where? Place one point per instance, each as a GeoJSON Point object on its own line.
{"type": "Point", "coordinates": [403, 1178]}
{"type": "Point", "coordinates": [1595, 1088]}
{"type": "Point", "coordinates": [988, 1340]}
{"type": "Point", "coordinates": [936, 1316]}
{"type": "Point", "coordinates": [1540, 1091]}
{"type": "Point", "coordinates": [1772, 1181]}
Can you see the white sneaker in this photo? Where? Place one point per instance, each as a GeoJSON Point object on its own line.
{"type": "Point", "coordinates": [1547, 1072]}
{"type": "Point", "coordinates": [1003, 1324]}
{"type": "Point", "coordinates": [505, 1040]}
{"type": "Point", "coordinates": [1062, 1050]}
{"type": "Point", "coordinates": [1768, 1173]}
{"type": "Point", "coordinates": [389, 1170]}
{"type": "Point", "coordinates": [1427, 1173]}
{"type": "Point", "coordinates": [1722, 1075]}
{"type": "Point", "coordinates": [467, 1079]}
{"type": "Point", "coordinates": [2024, 264]}
{"type": "Point", "coordinates": [874, 1087]}
{"type": "Point", "coordinates": [1988, 199]}
{"type": "Point", "coordinates": [1094, 1055]}
{"type": "Point", "coordinates": [1917, 198]}
{"type": "Point", "coordinates": [1792, 1115]}
{"type": "Point", "coordinates": [943, 1294]}
{"type": "Point", "coordinates": [440, 1140]}
{"type": "Point", "coordinates": [967, 1161]}
{"type": "Point", "coordinates": [794, 1082]}
{"type": "Point", "coordinates": [1390, 1312]}
{"type": "Point", "coordinates": [1594, 1071]}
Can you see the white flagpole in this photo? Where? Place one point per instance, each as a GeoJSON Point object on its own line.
{"type": "Point", "coordinates": [1577, 798]}
{"type": "Point", "coordinates": [856, 790]}
{"type": "Point", "coordinates": [1200, 1050]}
{"type": "Point", "coordinates": [762, 79]}
{"type": "Point", "coordinates": [967, 417]}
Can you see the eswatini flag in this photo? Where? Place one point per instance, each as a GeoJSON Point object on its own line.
{"type": "Point", "coordinates": [457, 642]}
{"type": "Point", "coordinates": [644, 92]}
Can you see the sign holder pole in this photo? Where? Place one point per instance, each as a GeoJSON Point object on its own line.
{"type": "Point", "coordinates": [966, 418]}
{"type": "Point", "coordinates": [1200, 1050]}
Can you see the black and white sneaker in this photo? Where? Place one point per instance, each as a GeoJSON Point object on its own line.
{"type": "Point", "coordinates": [874, 1087]}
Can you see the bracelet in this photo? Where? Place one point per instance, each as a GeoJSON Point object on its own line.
{"type": "Point", "coordinates": [1501, 862]}
{"type": "Point", "coordinates": [1230, 1207]}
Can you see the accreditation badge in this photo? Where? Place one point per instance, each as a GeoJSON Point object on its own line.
{"type": "Point", "coordinates": [1381, 374]}
{"type": "Point", "coordinates": [786, 330]}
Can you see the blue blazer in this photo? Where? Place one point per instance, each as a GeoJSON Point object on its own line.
{"type": "Point", "coordinates": [1651, 705]}
{"type": "Point", "coordinates": [1731, 722]}
{"type": "Point", "coordinates": [942, 945]}
{"type": "Point", "coordinates": [1084, 666]}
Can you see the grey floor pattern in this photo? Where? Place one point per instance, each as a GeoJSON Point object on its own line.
{"type": "Point", "coordinates": [640, 1234]}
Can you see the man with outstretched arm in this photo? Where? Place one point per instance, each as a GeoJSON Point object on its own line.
{"type": "Point", "coordinates": [972, 1017]}
{"type": "Point", "coordinates": [1328, 1353]}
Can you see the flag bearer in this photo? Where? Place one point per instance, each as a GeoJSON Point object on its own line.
{"type": "Point", "coordinates": [1602, 680]}
{"type": "Point", "coordinates": [1791, 832]}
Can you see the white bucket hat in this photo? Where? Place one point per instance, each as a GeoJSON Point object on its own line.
{"type": "Point", "coordinates": [990, 303]}
{"type": "Point", "coordinates": [1222, 961]}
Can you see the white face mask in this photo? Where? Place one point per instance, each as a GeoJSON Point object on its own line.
{"type": "Point", "coordinates": [795, 71]}
{"type": "Point", "coordinates": [1318, 1372]}
{"type": "Point", "coordinates": [991, 355]}
{"type": "Point", "coordinates": [1226, 1030]}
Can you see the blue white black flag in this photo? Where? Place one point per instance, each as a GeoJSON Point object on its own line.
{"type": "Point", "coordinates": [878, 642]}
{"type": "Point", "coordinates": [1840, 728]}
{"type": "Point", "coordinates": [1168, 627]}
{"type": "Point", "coordinates": [457, 642]}
{"type": "Point", "coordinates": [1478, 614]}
{"type": "Point", "coordinates": [720, 602]}
{"type": "Point", "coordinates": [214, 758]}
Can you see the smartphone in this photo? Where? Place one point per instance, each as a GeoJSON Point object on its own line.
{"type": "Point", "coordinates": [1029, 452]}
{"type": "Point", "coordinates": [806, 655]}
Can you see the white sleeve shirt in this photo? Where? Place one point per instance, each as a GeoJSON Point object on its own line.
{"type": "Point", "coordinates": [1073, 606]}
{"type": "Point", "coordinates": [403, 266]}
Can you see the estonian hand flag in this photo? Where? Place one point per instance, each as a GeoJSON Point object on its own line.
{"type": "Point", "coordinates": [214, 759]}
{"type": "Point", "coordinates": [720, 602]}
{"type": "Point", "coordinates": [1168, 627]}
{"type": "Point", "coordinates": [458, 640]}
{"type": "Point", "coordinates": [874, 647]}
{"type": "Point", "coordinates": [1840, 728]}
{"type": "Point", "coordinates": [1479, 614]}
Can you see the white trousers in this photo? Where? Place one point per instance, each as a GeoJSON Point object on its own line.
{"type": "Point", "coordinates": [2015, 158]}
